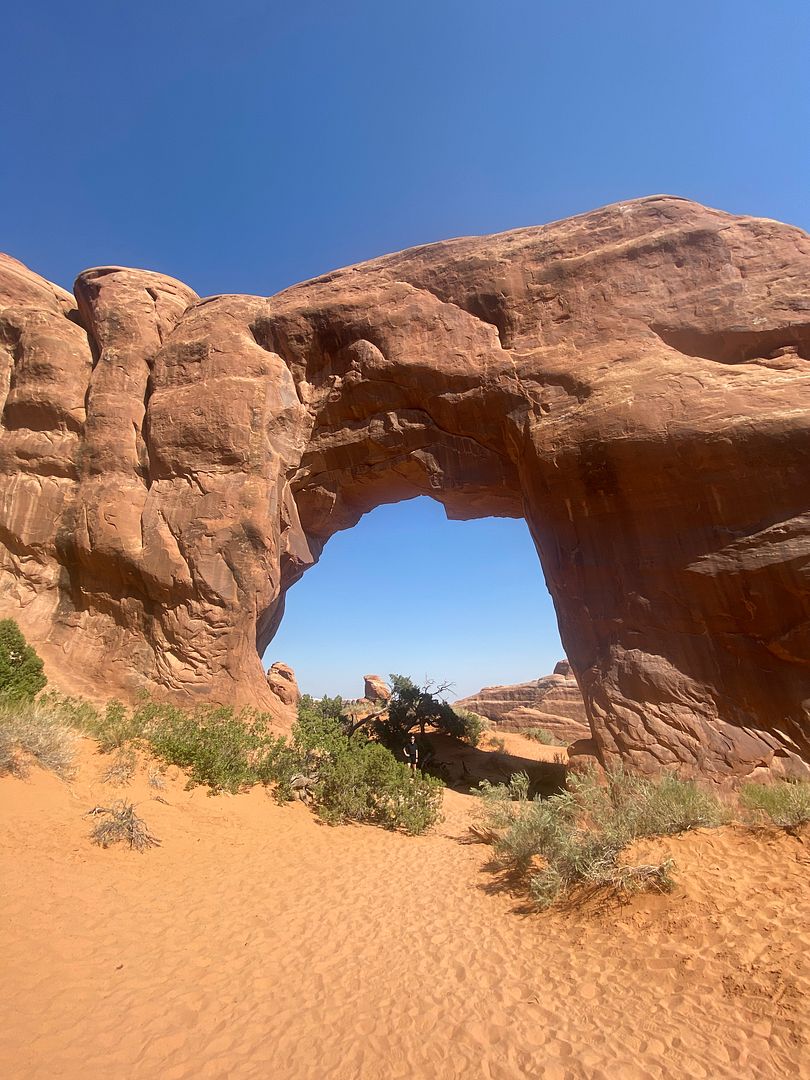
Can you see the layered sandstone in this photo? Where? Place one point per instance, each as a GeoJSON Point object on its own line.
{"type": "Point", "coordinates": [633, 381]}
{"type": "Point", "coordinates": [552, 702]}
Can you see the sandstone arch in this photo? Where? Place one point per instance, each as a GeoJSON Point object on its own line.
{"type": "Point", "coordinates": [633, 381]}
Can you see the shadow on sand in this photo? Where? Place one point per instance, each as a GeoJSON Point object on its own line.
{"type": "Point", "coordinates": [463, 767]}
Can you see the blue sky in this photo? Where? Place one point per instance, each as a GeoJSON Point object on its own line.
{"type": "Point", "coordinates": [245, 146]}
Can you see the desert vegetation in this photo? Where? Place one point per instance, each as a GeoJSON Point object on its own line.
{"type": "Point", "coordinates": [30, 730]}
{"type": "Point", "coordinates": [347, 776]}
{"type": "Point", "coordinates": [785, 803]}
{"type": "Point", "coordinates": [543, 735]}
{"type": "Point", "coordinates": [348, 767]}
{"type": "Point", "coordinates": [413, 707]}
{"type": "Point", "coordinates": [579, 837]}
{"type": "Point", "coordinates": [119, 824]}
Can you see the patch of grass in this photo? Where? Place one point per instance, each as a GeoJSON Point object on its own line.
{"type": "Point", "coordinates": [784, 802]}
{"type": "Point", "coordinates": [577, 837]}
{"type": "Point", "coordinates": [119, 824]}
{"type": "Point", "coordinates": [543, 735]}
{"type": "Point", "coordinates": [32, 731]}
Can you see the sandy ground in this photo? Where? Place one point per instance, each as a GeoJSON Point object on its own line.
{"type": "Point", "coordinates": [256, 942]}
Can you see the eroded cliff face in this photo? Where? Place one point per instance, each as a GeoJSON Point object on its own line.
{"type": "Point", "coordinates": [633, 381]}
{"type": "Point", "coordinates": [552, 703]}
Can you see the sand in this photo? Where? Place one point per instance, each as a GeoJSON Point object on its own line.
{"type": "Point", "coordinates": [256, 942]}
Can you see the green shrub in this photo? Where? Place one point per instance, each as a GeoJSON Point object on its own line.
{"type": "Point", "coordinates": [542, 735]}
{"type": "Point", "coordinates": [21, 675]}
{"type": "Point", "coordinates": [785, 802]}
{"type": "Point", "coordinates": [358, 779]}
{"type": "Point", "coordinates": [33, 730]}
{"type": "Point", "coordinates": [115, 727]}
{"type": "Point", "coordinates": [75, 712]}
{"type": "Point", "coordinates": [352, 778]}
{"type": "Point", "coordinates": [579, 835]}
{"type": "Point", "coordinates": [224, 749]}
{"type": "Point", "coordinates": [474, 726]}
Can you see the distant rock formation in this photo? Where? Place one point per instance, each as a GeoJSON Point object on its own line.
{"type": "Point", "coordinates": [633, 382]}
{"type": "Point", "coordinates": [376, 689]}
{"type": "Point", "coordinates": [282, 682]}
{"type": "Point", "coordinates": [553, 702]}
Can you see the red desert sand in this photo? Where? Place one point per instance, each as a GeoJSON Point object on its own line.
{"type": "Point", "coordinates": [257, 942]}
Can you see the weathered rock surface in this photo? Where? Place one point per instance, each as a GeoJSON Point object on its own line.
{"type": "Point", "coordinates": [633, 381]}
{"type": "Point", "coordinates": [282, 682]}
{"type": "Point", "coordinates": [553, 702]}
{"type": "Point", "coordinates": [376, 689]}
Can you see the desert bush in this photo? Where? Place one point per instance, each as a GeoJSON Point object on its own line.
{"type": "Point", "coordinates": [33, 730]}
{"type": "Point", "coordinates": [74, 712]}
{"type": "Point", "coordinates": [579, 835]}
{"type": "Point", "coordinates": [542, 735]}
{"type": "Point", "coordinates": [353, 777]}
{"type": "Point", "coordinates": [647, 806]}
{"type": "Point", "coordinates": [359, 779]}
{"type": "Point", "coordinates": [474, 726]}
{"type": "Point", "coordinates": [155, 779]}
{"type": "Point", "coordinates": [122, 767]}
{"type": "Point", "coordinates": [225, 749]}
{"type": "Point", "coordinates": [119, 824]}
{"type": "Point", "coordinates": [784, 802]}
{"type": "Point", "coordinates": [21, 675]}
{"type": "Point", "coordinates": [115, 727]}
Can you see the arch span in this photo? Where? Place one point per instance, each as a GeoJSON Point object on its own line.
{"type": "Point", "coordinates": [633, 382]}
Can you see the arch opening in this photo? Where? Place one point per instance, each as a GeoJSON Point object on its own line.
{"type": "Point", "coordinates": [411, 590]}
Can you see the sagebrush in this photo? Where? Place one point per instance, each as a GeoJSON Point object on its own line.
{"type": "Point", "coordinates": [577, 837]}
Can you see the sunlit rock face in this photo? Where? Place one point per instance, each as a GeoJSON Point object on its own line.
{"type": "Point", "coordinates": [633, 382]}
{"type": "Point", "coordinates": [552, 703]}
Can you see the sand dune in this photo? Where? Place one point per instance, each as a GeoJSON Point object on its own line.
{"type": "Point", "coordinates": [256, 942]}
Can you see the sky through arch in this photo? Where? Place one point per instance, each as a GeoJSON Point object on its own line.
{"type": "Point", "coordinates": [406, 590]}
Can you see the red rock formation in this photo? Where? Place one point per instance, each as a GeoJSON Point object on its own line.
{"type": "Point", "coordinates": [282, 682]}
{"type": "Point", "coordinates": [553, 702]}
{"type": "Point", "coordinates": [632, 381]}
{"type": "Point", "coordinates": [376, 689]}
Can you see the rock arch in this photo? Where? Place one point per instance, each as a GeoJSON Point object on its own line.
{"type": "Point", "coordinates": [633, 381]}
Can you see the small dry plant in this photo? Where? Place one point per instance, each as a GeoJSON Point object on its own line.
{"type": "Point", "coordinates": [156, 779]}
{"type": "Point", "coordinates": [121, 769]}
{"type": "Point", "coordinates": [33, 731]}
{"type": "Point", "coordinates": [119, 824]}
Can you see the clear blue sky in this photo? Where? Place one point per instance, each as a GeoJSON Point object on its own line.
{"type": "Point", "coordinates": [245, 146]}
